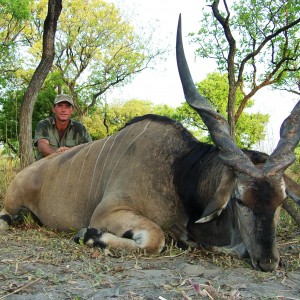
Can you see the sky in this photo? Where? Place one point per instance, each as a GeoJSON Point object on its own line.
{"type": "Point", "coordinates": [162, 85]}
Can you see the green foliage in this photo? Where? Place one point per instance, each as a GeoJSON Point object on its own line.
{"type": "Point", "coordinates": [134, 108]}
{"type": "Point", "coordinates": [95, 125]}
{"type": "Point", "coordinates": [264, 52]}
{"type": "Point", "coordinates": [13, 17]}
{"type": "Point", "coordinates": [9, 120]}
{"type": "Point", "coordinates": [108, 119]}
{"type": "Point", "coordinates": [164, 110]}
{"type": "Point", "coordinates": [96, 49]}
{"type": "Point", "coordinates": [251, 126]}
{"type": "Point", "coordinates": [18, 9]}
{"type": "Point", "coordinates": [250, 129]}
{"type": "Point", "coordinates": [191, 120]}
{"type": "Point", "coordinates": [10, 107]}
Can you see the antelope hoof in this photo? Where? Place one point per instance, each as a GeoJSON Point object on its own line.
{"type": "Point", "coordinates": [5, 222]}
{"type": "Point", "coordinates": [91, 237]}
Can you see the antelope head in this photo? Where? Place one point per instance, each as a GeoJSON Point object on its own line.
{"type": "Point", "coordinates": [257, 192]}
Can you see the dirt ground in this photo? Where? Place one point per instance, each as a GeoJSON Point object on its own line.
{"type": "Point", "coordinates": [38, 264]}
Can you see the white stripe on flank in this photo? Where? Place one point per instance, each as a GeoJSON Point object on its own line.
{"type": "Point", "coordinates": [82, 168]}
{"type": "Point", "coordinates": [45, 180]}
{"type": "Point", "coordinates": [66, 184]}
{"type": "Point", "coordinates": [145, 128]}
{"type": "Point", "coordinates": [112, 160]}
{"type": "Point", "coordinates": [79, 179]}
{"type": "Point", "coordinates": [93, 176]}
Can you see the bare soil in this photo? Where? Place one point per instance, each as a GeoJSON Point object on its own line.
{"type": "Point", "coordinates": [38, 263]}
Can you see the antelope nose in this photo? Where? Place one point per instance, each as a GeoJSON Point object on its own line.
{"type": "Point", "coordinates": [268, 265]}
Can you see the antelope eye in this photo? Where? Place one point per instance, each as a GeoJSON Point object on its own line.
{"type": "Point", "coordinates": [239, 201]}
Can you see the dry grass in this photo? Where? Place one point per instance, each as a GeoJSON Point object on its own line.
{"type": "Point", "coordinates": [30, 245]}
{"type": "Point", "coordinates": [32, 256]}
{"type": "Point", "coordinates": [8, 170]}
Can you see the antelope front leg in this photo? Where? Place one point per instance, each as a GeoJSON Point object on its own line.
{"type": "Point", "coordinates": [123, 229]}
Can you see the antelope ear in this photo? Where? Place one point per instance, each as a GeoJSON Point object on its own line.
{"type": "Point", "coordinates": [211, 216]}
{"type": "Point", "coordinates": [292, 189]}
{"type": "Point", "coordinates": [221, 197]}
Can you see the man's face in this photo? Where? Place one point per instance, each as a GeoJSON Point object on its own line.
{"type": "Point", "coordinates": [63, 111]}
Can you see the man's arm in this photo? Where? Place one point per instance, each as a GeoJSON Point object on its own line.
{"type": "Point", "coordinates": [45, 148]}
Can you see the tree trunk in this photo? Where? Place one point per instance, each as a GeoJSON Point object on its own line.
{"type": "Point", "coordinates": [231, 108]}
{"type": "Point", "coordinates": [36, 83]}
{"type": "Point", "coordinates": [224, 22]}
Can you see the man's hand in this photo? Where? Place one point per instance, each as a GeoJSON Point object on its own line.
{"type": "Point", "coordinates": [45, 148]}
{"type": "Point", "coordinates": [62, 149]}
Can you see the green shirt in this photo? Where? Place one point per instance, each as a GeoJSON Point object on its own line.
{"type": "Point", "coordinates": [75, 134]}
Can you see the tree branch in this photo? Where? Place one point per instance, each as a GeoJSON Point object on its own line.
{"type": "Point", "coordinates": [292, 211]}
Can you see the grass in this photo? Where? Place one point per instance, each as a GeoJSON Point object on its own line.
{"type": "Point", "coordinates": [32, 255]}
{"type": "Point", "coordinates": [8, 170]}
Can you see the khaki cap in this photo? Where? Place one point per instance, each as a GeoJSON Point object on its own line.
{"type": "Point", "coordinates": [63, 98]}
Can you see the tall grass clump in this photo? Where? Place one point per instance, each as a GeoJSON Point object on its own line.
{"type": "Point", "coordinates": [8, 169]}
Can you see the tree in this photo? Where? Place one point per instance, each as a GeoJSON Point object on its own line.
{"type": "Point", "coordinates": [290, 81]}
{"type": "Point", "coordinates": [14, 15]}
{"type": "Point", "coordinates": [9, 125]}
{"type": "Point", "coordinates": [110, 118]}
{"type": "Point", "coordinates": [215, 89]}
{"type": "Point", "coordinates": [17, 9]}
{"type": "Point", "coordinates": [50, 24]}
{"type": "Point", "coordinates": [256, 43]}
{"type": "Point", "coordinates": [10, 103]}
{"type": "Point", "coordinates": [91, 57]}
{"type": "Point", "coordinates": [96, 54]}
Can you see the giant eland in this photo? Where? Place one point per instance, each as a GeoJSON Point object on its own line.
{"type": "Point", "coordinates": [152, 176]}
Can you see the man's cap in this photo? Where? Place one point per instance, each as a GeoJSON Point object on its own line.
{"type": "Point", "coordinates": [63, 98]}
